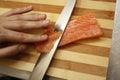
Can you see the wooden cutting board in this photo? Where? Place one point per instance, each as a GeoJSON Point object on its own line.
{"type": "Point", "coordinates": [82, 60]}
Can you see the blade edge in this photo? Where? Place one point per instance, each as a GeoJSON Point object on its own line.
{"type": "Point", "coordinates": [45, 59]}
{"type": "Point", "coordinates": [114, 59]}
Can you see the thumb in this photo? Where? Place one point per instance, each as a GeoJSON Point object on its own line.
{"type": "Point", "coordinates": [12, 50]}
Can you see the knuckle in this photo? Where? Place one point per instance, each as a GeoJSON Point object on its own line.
{"type": "Point", "coordinates": [14, 11]}
{"type": "Point", "coordinates": [18, 17]}
{"type": "Point", "coordinates": [3, 34]}
{"type": "Point", "coordinates": [34, 16]}
{"type": "Point", "coordinates": [22, 37]}
{"type": "Point", "coordinates": [37, 25]}
{"type": "Point", "coordinates": [18, 49]}
{"type": "Point", "coordinates": [21, 24]}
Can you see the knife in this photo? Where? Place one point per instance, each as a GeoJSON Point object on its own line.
{"type": "Point", "coordinates": [114, 61]}
{"type": "Point", "coordinates": [45, 59]}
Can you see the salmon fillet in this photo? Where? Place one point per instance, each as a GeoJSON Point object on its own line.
{"type": "Point", "coordinates": [45, 46]}
{"type": "Point", "coordinates": [80, 28]}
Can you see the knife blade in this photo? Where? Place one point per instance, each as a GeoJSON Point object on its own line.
{"type": "Point", "coordinates": [45, 59]}
{"type": "Point", "coordinates": [113, 72]}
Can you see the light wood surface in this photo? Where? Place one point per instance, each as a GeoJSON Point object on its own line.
{"type": "Point", "coordinates": [82, 60]}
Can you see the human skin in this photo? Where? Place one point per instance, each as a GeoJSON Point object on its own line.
{"type": "Point", "coordinates": [12, 26]}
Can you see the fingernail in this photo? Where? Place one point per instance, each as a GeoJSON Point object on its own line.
{"type": "Point", "coordinates": [43, 37]}
{"type": "Point", "coordinates": [22, 47]}
{"type": "Point", "coordinates": [46, 22]}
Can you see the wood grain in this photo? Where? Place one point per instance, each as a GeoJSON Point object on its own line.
{"type": "Point", "coordinates": [81, 60]}
{"type": "Point", "coordinates": [86, 49]}
{"type": "Point", "coordinates": [80, 4]}
{"type": "Point", "coordinates": [57, 9]}
{"type": "Point", "coordinates": [106, 0]}
{"type": "Point", "coordinates": [72, 75]}
{"type": "Point", "coordinates": [79, 67]}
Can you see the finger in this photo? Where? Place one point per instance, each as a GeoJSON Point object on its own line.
{"type": "Point", "coordinates": [28, 17]}
{"type": "Point", "coordinates": [12, 50]}
{"type": "Point", "coordinates": [22, 37]}
{"type": "Point", "coordinates": [22, 25]}
{"type": "Point", "coordinates": [18, 11]}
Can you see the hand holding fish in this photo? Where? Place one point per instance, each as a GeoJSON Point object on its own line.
{"type": "Point", "coordinates": [12, 26]}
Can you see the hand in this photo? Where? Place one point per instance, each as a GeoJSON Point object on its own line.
{"type": "Point", "coordinates": [12, 25]}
